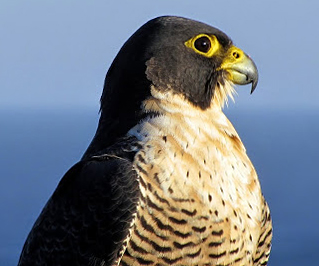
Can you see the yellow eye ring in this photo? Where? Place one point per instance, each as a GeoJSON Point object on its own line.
{"type": "Point", "coordinates": [203, 44]}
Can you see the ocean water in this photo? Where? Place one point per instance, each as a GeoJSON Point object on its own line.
{"type": "Point", "coordinates": [37, 147]}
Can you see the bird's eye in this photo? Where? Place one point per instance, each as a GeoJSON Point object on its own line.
{"type": "Point", "coordinates": [203, 44]}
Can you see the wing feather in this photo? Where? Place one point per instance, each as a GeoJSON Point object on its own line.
{"type": "Point", "coordinates": [88, 216]}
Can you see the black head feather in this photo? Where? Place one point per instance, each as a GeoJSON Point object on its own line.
{"type": "Point", "coordinates": [155, 55]}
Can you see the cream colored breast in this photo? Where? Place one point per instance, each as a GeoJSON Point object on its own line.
{"type": "Point", "coordinates": [201, 198]}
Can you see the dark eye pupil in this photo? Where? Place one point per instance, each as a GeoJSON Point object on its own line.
{"type": "Point", "coordinates": [202, 44]}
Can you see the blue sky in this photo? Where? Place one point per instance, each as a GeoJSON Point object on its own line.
{"type": "Point", "coordinates": [54, 54]}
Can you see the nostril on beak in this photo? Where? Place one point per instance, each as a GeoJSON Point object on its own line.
{"type": "Point", "coordinates": [236, 55]}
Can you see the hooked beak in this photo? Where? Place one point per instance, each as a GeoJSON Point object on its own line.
{"type": "Point", "coordinates": [240, 67]}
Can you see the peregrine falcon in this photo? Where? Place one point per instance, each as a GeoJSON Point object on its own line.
{"type": "Point", "coordinates": [166, 179]}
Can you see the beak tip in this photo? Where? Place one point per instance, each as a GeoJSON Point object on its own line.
{"type": "Point", "coordinates": [254, 83]}
{"type": "Point", "coordinates": [253, 87]}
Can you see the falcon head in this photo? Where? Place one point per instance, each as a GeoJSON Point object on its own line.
{"type": "Point", "coordinates": [180, 55]}
{"type": "Point", "coordinates": [176, 55]}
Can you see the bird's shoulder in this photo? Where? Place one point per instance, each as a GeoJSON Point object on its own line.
{"type": "Point", "coordinates": [88, 216]}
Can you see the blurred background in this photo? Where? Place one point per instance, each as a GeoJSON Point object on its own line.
{"type": "Point", "coordinates": [53, 60]}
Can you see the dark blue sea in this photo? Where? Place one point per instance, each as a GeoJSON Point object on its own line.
{"type": "Point", "coordinates": [37, 147]}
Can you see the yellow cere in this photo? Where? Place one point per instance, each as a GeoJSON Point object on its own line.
{"type": "Point", "coordinates": [233, 56]}
{"type": "Point", "coordinates": [213, 42]}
